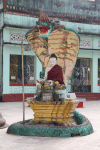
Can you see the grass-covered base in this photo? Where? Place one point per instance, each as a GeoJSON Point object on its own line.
{"type": "Point", "coordinates": [83, 128]}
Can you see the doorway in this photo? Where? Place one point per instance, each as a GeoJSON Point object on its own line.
{"type": "Point", "coordinates": [81, 81]}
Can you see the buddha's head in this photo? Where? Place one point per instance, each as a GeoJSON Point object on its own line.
{"type": "Point", "coordinates": [53, 60]}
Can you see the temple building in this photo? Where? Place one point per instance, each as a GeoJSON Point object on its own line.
{"type": "Point", "coordinates": [19, 16]}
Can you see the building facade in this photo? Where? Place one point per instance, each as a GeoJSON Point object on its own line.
{"type": "Point", "coordinates": [20, 16]}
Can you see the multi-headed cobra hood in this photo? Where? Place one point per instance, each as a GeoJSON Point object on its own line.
{"type": "Point", "coordinates": [47, 37]}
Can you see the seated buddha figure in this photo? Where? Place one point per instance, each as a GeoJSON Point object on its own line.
{"type": "Point", "coordinates": [54, 72]}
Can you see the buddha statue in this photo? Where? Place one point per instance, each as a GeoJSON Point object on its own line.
{"type": "Point", "coordinates": [54, 72]}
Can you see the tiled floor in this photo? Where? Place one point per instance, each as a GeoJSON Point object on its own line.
{"type": "Point", "coordinates": [13, 112]}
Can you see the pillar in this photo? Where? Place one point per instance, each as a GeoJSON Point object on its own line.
{"type": "Point", "coordinates": [94, 72]}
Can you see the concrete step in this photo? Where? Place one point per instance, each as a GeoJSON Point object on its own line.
{"type": "Point", "coordinates": [87, 97]}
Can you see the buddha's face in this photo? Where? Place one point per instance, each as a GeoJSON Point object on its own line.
{"type": "Point", "coordinates": [52, 61]}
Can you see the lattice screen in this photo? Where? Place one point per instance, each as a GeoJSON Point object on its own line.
{"type": "Point", "coordinates": [86, 43]}
{"type": "Point", "coordinates": [16, 37]}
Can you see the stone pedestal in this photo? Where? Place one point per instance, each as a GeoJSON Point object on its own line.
{"type": "Point", "coordinates": [54, 111]}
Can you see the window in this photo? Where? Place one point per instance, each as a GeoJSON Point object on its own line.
{"type": "Point", "coordinates": [81, 81]}
{"type": "Point", "coordinates": [16, 69]}
{"type": "Point", "coordinates": [99, 71]}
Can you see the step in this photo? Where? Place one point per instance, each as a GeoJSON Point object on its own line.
{"type": "Point", "coordinates": [85, 96]}
{"type": "Point", "coordinates": [93, 98]}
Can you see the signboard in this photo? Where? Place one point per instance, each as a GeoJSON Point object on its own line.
{"type": "Point", "coordinates": [31, 78]}
{"type": "Point", "coordinates": [13, 77]}
{"type": "Point", "coordinates": [47, 96]}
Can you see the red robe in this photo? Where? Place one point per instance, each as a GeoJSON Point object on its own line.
{"type": "Point", "coordinates": [56, 74]}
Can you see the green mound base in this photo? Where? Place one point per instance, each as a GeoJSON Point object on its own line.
{"type": "Point", "coordinates": [83, 128]}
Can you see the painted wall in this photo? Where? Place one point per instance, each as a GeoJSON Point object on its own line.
{"type": "Point", "coordinates": [1, 4]}
{"type": "Point", "coordinates": [7, 31]}
{"type": "Point", "coordinates": [59, 6]}
{"type": "Point", "coordinates": [26, 21]}
{"type": "Point", "coordinates": [82, 27]}
{"type": "Point", "coordinates": [1, 20]}
{"type": "Point", "coordinates": [1, 80]}
{"type": "Point", "coordinates": [18, 20]}
{"type": "Point", "coordinates": [11, 49]}
{"type": "Point", "coordinates": [94, 55]}
{"type": "Point", "coordinates": [7, 50]}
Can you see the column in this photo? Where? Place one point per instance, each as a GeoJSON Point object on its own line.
{"type": "Point", "coordinates": [94, 72]}
{"type": "Point", "coordinates": [6, 69]}
{"type": "Point", "coordinates": [38, 68]}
